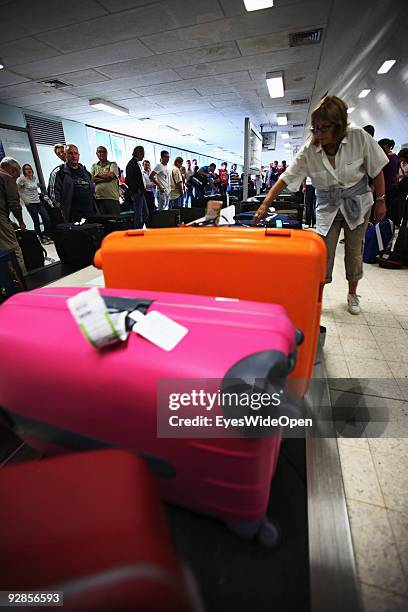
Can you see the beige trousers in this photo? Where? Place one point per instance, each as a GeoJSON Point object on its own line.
{"type": "Point", "coordinates": [353, 247]}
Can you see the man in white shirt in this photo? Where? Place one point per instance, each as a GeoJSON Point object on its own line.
{"type": "Point", "coordinates": [338, 158]}
{"type": "Point", "coordinates": [160, 177]}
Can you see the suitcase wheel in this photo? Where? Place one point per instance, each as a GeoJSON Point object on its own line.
{"type": "Point", "coordinates": [263, 532]}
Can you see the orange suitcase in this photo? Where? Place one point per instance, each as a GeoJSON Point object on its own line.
{"type": "Point", "coordinates": [273, 265]}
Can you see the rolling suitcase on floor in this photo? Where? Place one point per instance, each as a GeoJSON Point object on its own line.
{"type": "Point", "coordinates": [76, 244]}
{"type": "Point", "coordinates": [11, 278]}
{"type": "Point", "coordinates": [33, 252]}
{"type": "Point", "coordinates": [112, 223]}
{"type": "Point", "coordinates": [107, 505]}
{"type": "Point", "coordinates": [273, 265]}
{"type": "Point", "coordinates": [112, 397]}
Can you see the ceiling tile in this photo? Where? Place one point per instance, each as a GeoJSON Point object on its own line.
{"type": "Point", "coordinates": [82, 77]}
{"type": "Point", "coordinates": [178, 59]}
{"type": "Point", "coordinates": [256, 23]}
{"type": "Point", "coordinates": [13, 31]}
{"type": "Point", "coordinates": [265, 62]}
{"type": "Point", "coordinates": [80, 60]}
{"type": "Point", "coordinates": [162, 76]}
{"type": "Point", "coordinates": [22, 89]}
{"type": "Point", "coordinates": [44, 15]}
{"type": "Point", "coordinates": [178, 10]}
{"type": "Point", "coordinates": [147, 19]}
{"type": "Point", "coordinates": [17, 52]}
{"type": "Point", "coordinates": [37, 98]}
{"type": "Point", "coordinates": [10, 78]}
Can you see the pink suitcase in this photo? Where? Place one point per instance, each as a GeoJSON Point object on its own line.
{"type": "Point", "coordinates": [60, 392]}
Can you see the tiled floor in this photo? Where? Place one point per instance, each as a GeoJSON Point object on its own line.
{"type": "Point", "coordinates": [372, 350]}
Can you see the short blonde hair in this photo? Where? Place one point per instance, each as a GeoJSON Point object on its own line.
{"type": "Point", "coordinates": [178, 160]}
{"type": "Point", "coordinates": [332, 109]}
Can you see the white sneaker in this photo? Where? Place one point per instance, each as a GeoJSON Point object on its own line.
{"type": "Point", "coordinates": [353, 304]}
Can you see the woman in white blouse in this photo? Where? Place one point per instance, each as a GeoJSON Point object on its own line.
{"type": "Point", "coordinates": [338, 158]}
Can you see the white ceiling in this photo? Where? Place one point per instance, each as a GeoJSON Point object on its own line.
{"type": "Point", "coordinates": [199, 67]}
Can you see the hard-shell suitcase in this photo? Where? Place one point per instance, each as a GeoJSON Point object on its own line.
{"type": "Point", "coordinates": [91, 523]}
{"type": "Point", "coordinates": [11, 277]}
{"type": "Point", "coordinates": [76, 244]}
{"type": "Point", "coordinates": [32, 249]}
{"type": "Point", "coordinates": [267, 265]}
{"type": "Point", "coordinates": [112, 223]}
{"type": "Point", "coordinates": [91, 397]}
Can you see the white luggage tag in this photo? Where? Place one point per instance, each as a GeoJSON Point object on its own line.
{"type": "Point", "coordinates": [99, 327]}
{"type": "Point", "coordinates": [158, 329]}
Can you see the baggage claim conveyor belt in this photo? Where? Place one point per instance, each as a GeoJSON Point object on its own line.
{"type": "Point", "coordinates": [313, 568]}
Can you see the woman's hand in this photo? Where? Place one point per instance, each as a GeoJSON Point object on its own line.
{"type": "Point", "coordinates": [260, 213]}
{"type": "Point", "coordinates": [380, 210]}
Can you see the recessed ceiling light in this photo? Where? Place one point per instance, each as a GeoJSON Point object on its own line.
{"type": "Point", "coordinates": [364, 93]}
{"type": "Point", "coordinates": [387, 65]}
{"type": "Point", "coordinates": [351, 109]}
{"type": "Point", "coordinates": [256, 5]}
{"type": "Point", "coordinates": [108, 107]}
{"type": "Point", "coordinates": [282, 118]}
{"type": "Point", "coordinates": [285, 135]}
{"type": "Point", "coordinates": [274, 81]}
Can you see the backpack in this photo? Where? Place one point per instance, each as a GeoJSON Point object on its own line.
{"type": "Point", "coordinates": [377, 240]}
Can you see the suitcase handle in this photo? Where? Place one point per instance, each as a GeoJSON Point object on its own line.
{"type": "Point", "coordinates": [277, 231]}
{"type": "Point", "coordinates": [135, 232]}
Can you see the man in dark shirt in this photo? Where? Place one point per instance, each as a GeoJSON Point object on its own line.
{"type": "Point", "coordinates": [136, 187]}
{"type": "Point", "coordinates": [73, 188]}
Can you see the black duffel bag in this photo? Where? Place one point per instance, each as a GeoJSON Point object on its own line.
{"type": "Point", "coordinates": [112, 223]}
{"type": "Point", "coordinates": [76, 245]}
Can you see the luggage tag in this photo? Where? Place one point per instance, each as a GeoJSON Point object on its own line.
{"type": "Point", "coordinates": [158, 329]}
{"type": "Point", "coordinates": [99, 327]}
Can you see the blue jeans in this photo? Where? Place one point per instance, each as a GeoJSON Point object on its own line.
{"type": "Point", "coordinates": [35, 211]}
{"type": "Point", "coordinates": [188, 197]}
{"type": "Point", "coordinates": [140, 209]}
{"type": "Point", "coordinates": [162, 200]}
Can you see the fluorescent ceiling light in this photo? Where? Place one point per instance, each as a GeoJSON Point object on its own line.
{"type": "Point", "coordinates": [256, 5]}
{"type": "Point", "coordinates": [108, 107]}
{"type": "Point", "coordinates": [364, 93]}
{"type": "Point", "coordinates": [274, 80]}
{"type": "Point", "coordinates": [282, 118]}
{"type": "Point", "coordinates": [285, 135]}
{"type": "Point", "coordinates": [387, 65]}
{"type": "Point", "coordinates": [351, 109]}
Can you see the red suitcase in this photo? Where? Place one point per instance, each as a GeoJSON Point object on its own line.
{"type": "Point", "coordinates": [90, 525]}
